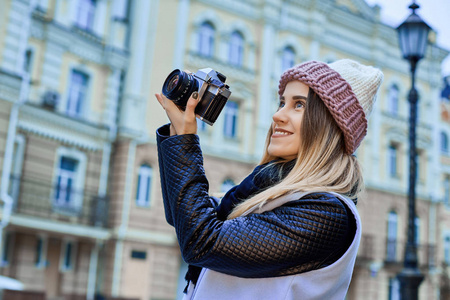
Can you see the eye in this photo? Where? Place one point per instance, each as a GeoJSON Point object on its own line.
{"type": "Point", "coordinates": [299, 104]}
{"type": "Point", "coordinates": [281, 104]}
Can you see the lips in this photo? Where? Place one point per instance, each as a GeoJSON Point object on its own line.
{"type": "Point", "coordinates": [278, 132]}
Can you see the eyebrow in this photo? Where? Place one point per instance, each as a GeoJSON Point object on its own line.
{"type": "Point", "coordinates": [296, 97]}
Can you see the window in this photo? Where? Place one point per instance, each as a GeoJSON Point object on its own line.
{"type": "Point", "coordinates": [6, 250]}
{"type": "Point", "coordinates": [392, 160]}
{"type": "Point", "coordinates": [447, 250]}
{"type": "Point", "coordinates": [77, 93]}
{"type": "Point", "coordinates": [65, 187]}
{"type": "Point", "coordinates": [420, 164]}
{"type": "Point", "coordinates": [41, 252]}
{"type": "Point", "coordinates": [391, 247]}
{"type": "Point", "coordinates": [16, 168]}
{"type": "Point", "coordinates": [206, 40]}
{"type": "Point", "coordinates": [138, 254]}
{"type": "Point", "coordinates": [393, 100]}
{"type": "Point", "coordinates": [287, 58]}
{"type": "Point", "coordinates": [230, 115]}
{"type": "Point", "coordinates": [227, 185]}
{"type": "Point", "coordinates": [68, 255]}
{"type": "Point", "coordinates": [444, 142]}
{"type": "Point", "coordinates": [394, 289]}
{"type": "Point", "coordinates": [417, 231]}
{"type": "Point", "coordinates": [144, 185]}
{"type": "Point", "coordinates": [236, 49]}
{"type": "Point", "coordinates": [120, 9]}
{"type": "Point", "coordinates": [85, 14]}
{"type": "Point", "coordinates": [27, 63]}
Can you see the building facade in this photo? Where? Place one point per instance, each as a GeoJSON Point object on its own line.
{"type": "Point", "coordinates": [82, 214]}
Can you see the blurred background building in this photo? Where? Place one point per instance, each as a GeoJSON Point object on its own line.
{"type": "Point", "coordinates": [82, 214]}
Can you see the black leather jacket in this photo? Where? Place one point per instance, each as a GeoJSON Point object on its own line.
{"type": "Point", "coordinates": [300, 236]}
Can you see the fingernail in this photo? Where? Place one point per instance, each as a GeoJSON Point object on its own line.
{"type": "Point", "coordinates": [195, 95]}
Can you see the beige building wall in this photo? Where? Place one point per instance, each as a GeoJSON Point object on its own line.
{"type": "Point", "coordinates": [129, 59]}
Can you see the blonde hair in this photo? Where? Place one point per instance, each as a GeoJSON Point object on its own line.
{"type": "Point", "coordinates": [321, 164]}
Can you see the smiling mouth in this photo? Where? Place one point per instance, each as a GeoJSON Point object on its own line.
{"type": "Point", "coordinates": [278, 132]}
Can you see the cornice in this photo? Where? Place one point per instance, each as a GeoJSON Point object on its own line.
{"type": "Point", "coordinates": [79, 42]}
{"type": "Point", "coordinates": [149, 236]}
{"type": "Point", "coordinates": [424, 130]}
{"type": "Point", "coordinates": [60, 227]}
{"type": "Point", "coordinates": [10, 84]}
{"type": "Point", "coordinates": [62, 128]}
{"type": "Point", "coordinates": [247, 9]}
{"type": "Point", "coordinates": [241, 74]}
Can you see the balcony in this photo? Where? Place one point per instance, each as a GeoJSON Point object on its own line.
{"type": "Point", "coordinates": [37, 198]}
{"type": "Point", "coordinates": [426, 254]}
{"type": "Point", "coordinates": [366, 250]}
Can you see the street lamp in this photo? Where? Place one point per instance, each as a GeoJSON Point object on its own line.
{"type": "Point", "coordinates": [413, 38]}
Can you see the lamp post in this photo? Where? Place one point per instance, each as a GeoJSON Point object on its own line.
{"type": "Point", "coordinates": [413, 38]}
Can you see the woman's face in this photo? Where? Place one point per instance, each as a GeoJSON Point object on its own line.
{"type": "Point", "coordinates": [285, 140]}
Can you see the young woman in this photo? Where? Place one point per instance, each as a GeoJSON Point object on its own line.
{"type": "Point", "coordinates": [290, 230]}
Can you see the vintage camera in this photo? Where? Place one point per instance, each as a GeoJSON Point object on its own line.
{"type": "Point", "coordinates": [210, 85]}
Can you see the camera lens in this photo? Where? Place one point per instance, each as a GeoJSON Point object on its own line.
{"type": "Point", "coordinates": [179, 86]}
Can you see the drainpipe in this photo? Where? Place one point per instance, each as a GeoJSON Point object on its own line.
{"type": "Point", "coordinates": [13, 120]}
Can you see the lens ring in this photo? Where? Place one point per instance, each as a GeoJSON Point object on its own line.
{"type": "Point", "coordinates": [173, 82]}
{"type": "Point", "coordinates": [179, 86]}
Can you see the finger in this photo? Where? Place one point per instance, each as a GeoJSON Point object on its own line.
{"type": "Point", "coordinates": [169, 105]}
{"type": "Point", "coordinates": [192, 104]}
{"type": "Point", "coordinates": [160, 99]}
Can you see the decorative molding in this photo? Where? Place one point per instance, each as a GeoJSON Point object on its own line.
{"type": "Point", "coordinates": [149, 236]}
{"type": "Point", "coordinates": [10, 84]}
{"type": "Point", "coordinates": [242, 74]}
{"type": "Point", "coordinates": [62, 128]}
{"type": "Point", "coordinates": [60, 227]}
{"type": "Point", "coordinates": [79, 42]}
{"type": "Point", "coordinates": [247, 9]}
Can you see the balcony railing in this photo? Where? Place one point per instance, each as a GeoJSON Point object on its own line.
{"type": "Point", "coordinates": [366, 251]}
{"type": "Point", "coordinates": [37, 198]}
{"type": "Point", "coordinates": [392, 251]}
{"type": "Point", "coordinates": [426, 253]}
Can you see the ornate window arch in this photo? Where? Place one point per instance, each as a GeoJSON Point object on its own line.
{"type": "Point", "coordinates": [236, 48]}
{"type": "Point", "coordinates": [206, 39]}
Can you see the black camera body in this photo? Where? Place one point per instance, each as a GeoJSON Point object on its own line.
{"type": "Point", "coordinates": [212, 91]}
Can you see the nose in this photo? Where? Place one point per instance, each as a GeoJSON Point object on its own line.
{"type": "Point", "coordinates": [280, 116]}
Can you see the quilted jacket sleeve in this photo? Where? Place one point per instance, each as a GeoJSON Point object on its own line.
{"type": "Point", "coordinates": [301, 236]}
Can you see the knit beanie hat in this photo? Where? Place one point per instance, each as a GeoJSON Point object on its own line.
{"type": "Point", "coordinates": [348, 90]}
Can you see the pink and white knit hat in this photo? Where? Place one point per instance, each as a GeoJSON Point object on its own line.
{"type": "Point", "coordinates": [348, 90]}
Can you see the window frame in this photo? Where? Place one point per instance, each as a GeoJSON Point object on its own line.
{"type": "Point", "coordinates": [231, 114]}
{"type": "Point", "coordinates": [393, 99]}
{"type": "Point", "coordinates": [85, 14]}
{"type": "Point", "coordinates": [145, 169]}
{"type": "Point", "coordinates": [236, 49]}
{"type": "Point", "coordinates": [76, 107]}
{"type": "Point", "coordinates": [80, 176]}
{"type": "Point", "coordinates": [447, 249]}
{"type": "Point", "coordinates": [288, 53]}
{"type": "Point", "coordinates": [392, 236]}
{"type": "Point", "coordinates": [206, 39]}
{"type": "Point", "coordinates": [63, 255]}
{"type": "Point", "coordinates": [41, 252]}
{"type": "Point", "coordinates": [393, 160]}
{"type": "Point", "coordinates": [444, 142]}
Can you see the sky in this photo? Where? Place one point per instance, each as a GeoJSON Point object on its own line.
{"type": "Point", "coordinates": [435, 13]}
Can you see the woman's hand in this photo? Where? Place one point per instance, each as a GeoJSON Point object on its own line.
{"type": "Point", "coordinates": [181, 122]}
